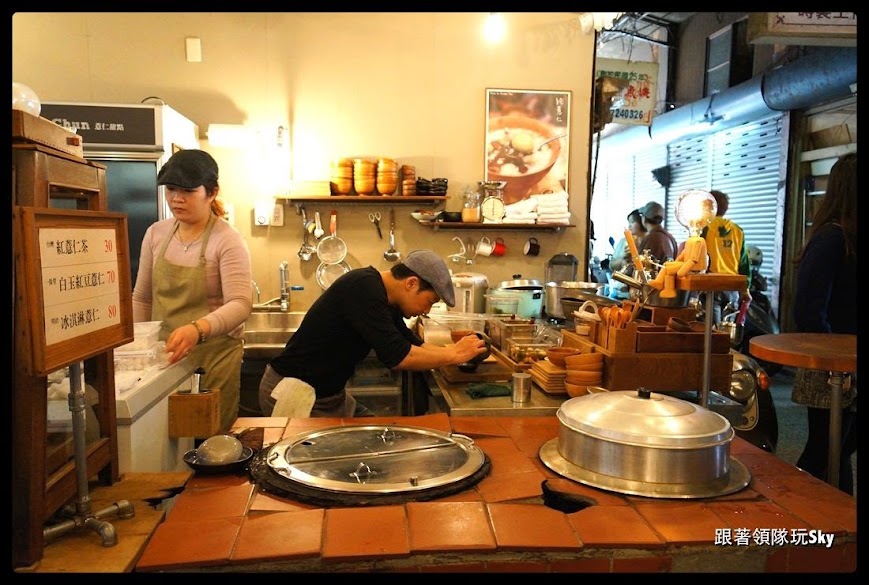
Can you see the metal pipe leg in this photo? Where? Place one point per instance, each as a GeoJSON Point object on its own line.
{"type": "Point", "coordinates": [836, 382]}
{"type": "Point", "coordinates": [81, 512]}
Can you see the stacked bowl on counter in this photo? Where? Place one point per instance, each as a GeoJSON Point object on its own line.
{"type": "Point", "coordinates": [341, 180]}
{"type": "Point", "coordinates": [582, 370]}
{"type": "Point", "coordinates": [387, 176]}
{"type": "Point", "coordinates": [364, 176]}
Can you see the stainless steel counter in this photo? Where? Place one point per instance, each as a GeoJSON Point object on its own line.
{"type": "Point", "coordinates": [460, 404]}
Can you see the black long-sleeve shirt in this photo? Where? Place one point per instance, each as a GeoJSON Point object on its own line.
{"type": "Point", "coordinates": [826, 295]}
{"type": "Point", "coordinates": [344, 324]}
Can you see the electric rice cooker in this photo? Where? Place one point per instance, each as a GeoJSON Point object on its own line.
{"type": "Point", "coordinates": [470, 289]}
{"type": "Point", "coordinates": [530, 293]}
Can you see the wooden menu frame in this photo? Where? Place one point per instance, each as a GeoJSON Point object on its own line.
{"type": "Point", "coordinates": [94, 287]}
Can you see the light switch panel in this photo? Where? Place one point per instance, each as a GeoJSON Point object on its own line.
{"type": "Point", "coordinates": [262, 213]}
{"type": "Point", "coordinates": [278, 215]}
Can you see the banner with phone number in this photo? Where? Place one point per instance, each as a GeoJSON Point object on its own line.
{"type": "Point", "coordinates": [635, 103]}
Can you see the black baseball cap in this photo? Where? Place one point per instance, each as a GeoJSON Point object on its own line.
{"type": "Point", "coordinates": [189, 169]}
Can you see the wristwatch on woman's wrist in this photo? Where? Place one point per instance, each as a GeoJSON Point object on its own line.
{"type": "Point", "coordinates": [200, 330]}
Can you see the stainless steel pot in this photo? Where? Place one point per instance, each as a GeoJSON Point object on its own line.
{"type": "Point", "coordinates": [556, 290]}
{"type": "Point", "coordinates": [645, 443]}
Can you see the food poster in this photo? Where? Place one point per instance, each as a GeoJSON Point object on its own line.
{"type": "Point", "coordinates": [527, 141]}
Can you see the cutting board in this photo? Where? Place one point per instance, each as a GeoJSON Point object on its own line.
{"type": "Point", "coordinates": [488, 371]}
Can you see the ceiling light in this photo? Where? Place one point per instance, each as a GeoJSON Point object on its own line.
{"type": "Point", "coordinates": [494, 27]}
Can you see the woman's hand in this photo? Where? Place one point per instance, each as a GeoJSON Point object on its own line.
{"type": "Point", "coordinates": [181, 342]}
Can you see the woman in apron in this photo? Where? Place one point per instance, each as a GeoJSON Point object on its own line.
{"type": "Point", "coordinates": [194, 276]}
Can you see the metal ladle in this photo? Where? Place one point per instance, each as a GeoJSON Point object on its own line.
{"type": "Point", "coordinates": [391, 254]}
{"type": "Point", "coordinates": [306, 251]}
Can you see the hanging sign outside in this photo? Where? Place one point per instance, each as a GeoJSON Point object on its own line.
{"type": "Point", "coordinates": [634, 103]}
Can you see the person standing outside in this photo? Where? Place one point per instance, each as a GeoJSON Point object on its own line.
{"type": "Point", "coordinates": [194, 276]}
{"type": "Point", "coordinates": [362, 310]}
{"type": "Point", "coordinates": [660, 243]}
{"type": "Point", "coordinates": [826, 302]}
{"type": "Point", "coordinates": [725, 244]}
{"type": "Point", "coordinates": [622, 252]}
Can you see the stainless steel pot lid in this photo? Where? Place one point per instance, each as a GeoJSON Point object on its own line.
{"type": "Point", "coordinates": [518, 283]}
{"type": "Point", "coordinates": [573, 284]}
{"type": "Point", "coordinates": [646, 419]}
{"type": "Point", "coordinates": [375, 459]}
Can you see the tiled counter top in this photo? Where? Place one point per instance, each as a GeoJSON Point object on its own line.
{"type": "Point", "coordinates": [222, 523]}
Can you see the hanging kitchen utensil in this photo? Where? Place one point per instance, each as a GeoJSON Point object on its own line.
{"type": "Point", "coordinates": [306, 251]}
{"type": "Point", "coordinates": [329, 273]}
{"type": "Point", "coordinates": [318, 227]}
{"type": "Point", "coordinates": [332, 249]}
{"type": "Point", "coordinates": [392, 255]}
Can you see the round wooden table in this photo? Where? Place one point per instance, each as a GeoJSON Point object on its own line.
{"type": "Point", "coordinates": [834, 352]}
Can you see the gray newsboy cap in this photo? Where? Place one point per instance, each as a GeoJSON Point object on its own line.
{"type": "Point", "coordinates": [188, 169]}
{"type": "Point", "coordinates": [432, 269]}
{"type": "Point", "coordinates": [653, 211]}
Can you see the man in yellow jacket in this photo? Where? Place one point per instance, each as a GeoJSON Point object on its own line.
{"type": "Point", "coordinates": [725, 243]}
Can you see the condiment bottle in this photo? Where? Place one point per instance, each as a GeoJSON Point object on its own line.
{"type": "Point", "coordinates": [471, 212]}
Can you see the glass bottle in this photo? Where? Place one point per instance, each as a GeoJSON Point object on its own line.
{"type": "Point", "coordinates": [471, 212]}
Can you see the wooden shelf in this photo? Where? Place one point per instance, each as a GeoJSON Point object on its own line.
{"type": "Point", "coordinates": [457, 225]}
{"type": "Point", "coordinates": [365, 199]}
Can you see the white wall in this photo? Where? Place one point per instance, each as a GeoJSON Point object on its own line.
{"type": "Point", "coordinates": [409, 86]}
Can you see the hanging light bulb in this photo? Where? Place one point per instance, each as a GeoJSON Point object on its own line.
{"type": "Point", "coordinates": [695, 209]}
{"type": "Point", "coordinates": [25, 99]}
{"type": "Point", "coordinates": [495, 27]}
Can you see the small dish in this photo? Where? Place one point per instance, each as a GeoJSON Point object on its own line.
{"type": "Point", "coordinates": [423, 215]}
{"type": "Point", "coordinates": [233, 467]}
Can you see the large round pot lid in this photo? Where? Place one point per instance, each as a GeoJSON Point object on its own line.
{"type": "Point", "coordinates": [367, 464]}
{"type": "Point", "coordinates": [645, 418]}
{"type": "Point", "coordinates": [519, 283]}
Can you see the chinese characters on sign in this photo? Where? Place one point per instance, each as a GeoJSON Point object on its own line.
{"type": "Point", "coordinates": [816, 18]}
{"type": "Point", "coordinates": [80, 281]}
{"type": "Point", "coordinates": [637, 81]}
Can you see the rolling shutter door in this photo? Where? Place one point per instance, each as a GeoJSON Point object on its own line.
{"type": "Point", "coordinates": [745, 162]}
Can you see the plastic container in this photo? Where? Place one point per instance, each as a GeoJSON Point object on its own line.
{"type": "Point", "coordinates": [501, 330]}
{"type": "Point", "coordinates": [144, 336]}
{"type": "Point", "coordinates": [525, 350]}
{"type": "Point", "coordinates": [138, 360]}
{"type": "Point", "coordinates": [502, 304]}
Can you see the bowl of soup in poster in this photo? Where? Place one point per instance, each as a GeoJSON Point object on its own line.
{"type": "Point", "coordinates": [516, 153]}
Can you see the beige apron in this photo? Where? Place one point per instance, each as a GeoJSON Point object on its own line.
{"type": "Point", "coordinates": [179, 296]}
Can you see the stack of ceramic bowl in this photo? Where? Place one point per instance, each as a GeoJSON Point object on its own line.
{"type": "Point", "coordinates": [387, 176]}
{"type": "Point", "coordinates": [408, 180]}
{"type": "Point", "coordinates": [363, 176]}
{"type": "Point", "coordinates": [341, 180]}
{"type": "Point", "coordinates": [583, 370]}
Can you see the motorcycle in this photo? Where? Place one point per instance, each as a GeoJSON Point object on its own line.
{"type": "Point", "coordinates": [753, 318]}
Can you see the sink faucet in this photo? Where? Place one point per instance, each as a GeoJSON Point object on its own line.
{"type": "Point", "coordinates": [285, 286]}
{"type": "Point", "coordinates": [257, 290]}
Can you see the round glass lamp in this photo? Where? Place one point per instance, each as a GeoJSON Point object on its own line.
{"type": "Point", "coordinates": [695, 209]}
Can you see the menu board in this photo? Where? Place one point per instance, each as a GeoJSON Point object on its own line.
{"type": "Point", "coordinates": [73, 291]}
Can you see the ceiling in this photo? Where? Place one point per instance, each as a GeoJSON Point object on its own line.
{"type": "Point", "coordinates": [653, 26]}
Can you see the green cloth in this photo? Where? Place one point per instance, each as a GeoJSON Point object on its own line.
{"type": "Point", "coordinates": [484, 389]}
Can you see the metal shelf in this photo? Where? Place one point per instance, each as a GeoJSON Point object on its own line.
{"type": "Point", "coordinates": [457, 225]}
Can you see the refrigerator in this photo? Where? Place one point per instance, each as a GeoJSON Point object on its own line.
{"type": "Point", "coordinates": [132, 141]}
